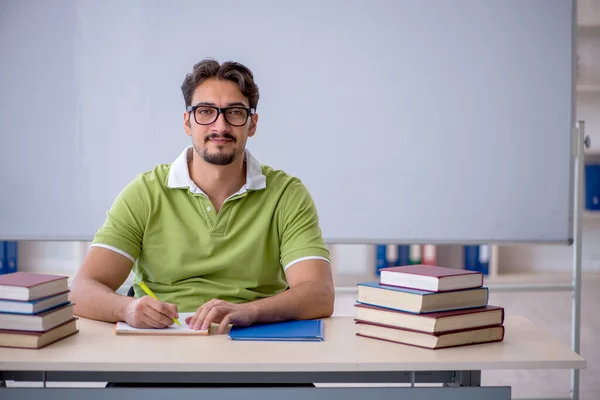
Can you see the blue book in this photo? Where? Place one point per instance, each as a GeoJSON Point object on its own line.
{"type": "Point", "coordinates": [311, 330]}
{"type": "Point", "coordinates": [483, 263]}
{"type": "Point", "coordinates": [2, 258]}
{"type": "Point", "coordinates": [471, 257]}
{"type": "Point", "coordinates": [403, 257]}
{"type": "Point", "coordinates": [10, 252]}
{"type": "Point", "coordinates": [380, 257]}
{"type": "Point", "coordinates": [420, 301]}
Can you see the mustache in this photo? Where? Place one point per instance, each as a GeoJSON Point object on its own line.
{"type": "Point", "coordinates": [217, 136]}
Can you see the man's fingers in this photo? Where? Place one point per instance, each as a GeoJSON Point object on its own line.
{"type": "Point", "coordinates": [152, 323]}
{"type": "Point", "coordinates": [169, 310]}
{"type": "Point", "coordinates": [159, 318]}
{"type": "Point", "coordinates": [214, 315]}
{"type": "Point", "coordinates": [223, 325]}
{"type": "Point", "coordinates": [204, 310]}
{"type": "Point", "coordinates": [191, 321]}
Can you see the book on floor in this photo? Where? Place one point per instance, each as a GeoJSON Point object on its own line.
{"type": "Point", "coordinates": [34, 306]}
{"type": "Point", "coordinates": [31, 286]}
{"type": "Point", "coordinates": [428, 340]}
{"type": "Point", "coordinates": [420, 301]}
{"type": "Point", "coordinates": [436, 322]}
{"type": "Point", "coordinates": [37, 322]}
{"type": "Point", "coordinates": [37, 340]}
{"type": "Point", "coordinates": [430, 278]}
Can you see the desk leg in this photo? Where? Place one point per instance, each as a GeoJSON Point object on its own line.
{"type": "Point", "coordinates": [465, 378]}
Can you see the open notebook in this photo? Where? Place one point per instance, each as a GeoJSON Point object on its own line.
{"type": "Point", "coordinates": [122, 328]}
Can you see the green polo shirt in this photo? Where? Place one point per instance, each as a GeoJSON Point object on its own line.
{"type": "Point", "coordinates": [188, 254]}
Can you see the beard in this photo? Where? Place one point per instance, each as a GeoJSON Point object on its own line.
{"type": "Point", "coordinates": [219, 158]}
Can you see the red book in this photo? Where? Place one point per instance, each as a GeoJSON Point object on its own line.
{"type": "Point", "coordinates": [435, 322]}
{"type": "Point", "coordinates": [431, 278]}
{"type": "Point", "coordinates": [37, 340]}
{"type": "Point", "coordinates": [433, 341]}
{"type": "Point", "coordinates": [30, 286]}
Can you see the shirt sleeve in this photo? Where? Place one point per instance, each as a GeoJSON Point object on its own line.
{"type": "Point", "coordinates": [301, 236]}
{"type": "Point", "coordinates": [123, 229]}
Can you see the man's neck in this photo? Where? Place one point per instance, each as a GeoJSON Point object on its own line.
{"type": "Point", "coordinates": [218, 181]}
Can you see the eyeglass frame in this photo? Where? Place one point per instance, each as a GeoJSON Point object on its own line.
{"type": "Point", "coordinates": [220, 110]}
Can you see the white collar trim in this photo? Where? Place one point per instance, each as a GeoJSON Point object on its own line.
{"type": "Point", "coordinates": [179, 174]}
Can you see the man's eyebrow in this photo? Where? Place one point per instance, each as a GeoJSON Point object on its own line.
{"type": "Point", "coordinates": [234, 104]}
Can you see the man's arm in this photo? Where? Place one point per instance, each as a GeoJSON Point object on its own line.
{"type": "Point", "coordinates": [311, 295]}
{"type": "Point", "coordinates": [93, 292]}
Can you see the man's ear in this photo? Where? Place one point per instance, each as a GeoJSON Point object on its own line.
{"type": "Point", "coordinates": [253, 123]}
{"type": "Point", "coordinates": [186, 124]}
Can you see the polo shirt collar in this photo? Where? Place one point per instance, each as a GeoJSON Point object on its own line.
{"type": "Point", "coordinates": [179, 174]}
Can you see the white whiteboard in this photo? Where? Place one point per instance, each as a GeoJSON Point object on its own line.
{"type": "Point", "coordinates": [409, 121]}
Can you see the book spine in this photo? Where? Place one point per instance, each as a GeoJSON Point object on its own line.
{"type": "Point", "coordinates": [380, 257]}
{"type": "Point", "coordinates": [484, 259]}
{"type": "Point", "coordinates": [471, 258]}
{"type": "Point", "coordinates": [11, 254]}
{"type": "Point", "coordinates": [402, 258]}
{"type": "Point", "coordinates": [429, 254]}
{"type": "Point", "coordinates": [2, 258]}
{"type": "Point", "coordinates": [414, 254]}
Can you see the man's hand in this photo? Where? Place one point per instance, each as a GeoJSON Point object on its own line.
{"type": "Point", "coordinates": [223, 313]}
{"type": "Point", "coordinates": [147, 312]}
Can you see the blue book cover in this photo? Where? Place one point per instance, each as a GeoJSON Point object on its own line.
{"type": "Point", "coordinates": [10, 252]}
{"type": "Point", "coordinates": [289, 331]}
{"type": "Point", "coordinates": [2, 258]}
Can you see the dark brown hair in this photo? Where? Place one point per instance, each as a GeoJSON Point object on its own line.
{"type": "Point", "coordinates": [233, 71]}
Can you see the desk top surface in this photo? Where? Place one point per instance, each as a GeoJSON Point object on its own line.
{"type": "Point", "coordinates": [97, 348]}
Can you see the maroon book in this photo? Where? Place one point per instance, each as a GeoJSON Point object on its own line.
{"type": "Point", "coordinates": [430, 278]}
{"type": "Point", "coordinates": [433, 341]}
{"type": "Point", "coordinates": [31, 286]}
{"type": "Point", "coordinates": [435, 322]}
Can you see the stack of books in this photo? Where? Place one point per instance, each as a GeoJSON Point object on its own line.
{"type": "Point", "coordinates": [428, 306]}
{"type": "Point", "coordinates": [35, 310]}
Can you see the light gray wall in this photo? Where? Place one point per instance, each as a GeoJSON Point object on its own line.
{"type": "Point", "coordinates": [408, 121]}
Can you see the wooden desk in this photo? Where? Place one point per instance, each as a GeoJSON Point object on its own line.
{"type": "Point", "coordinates": [97, 354]}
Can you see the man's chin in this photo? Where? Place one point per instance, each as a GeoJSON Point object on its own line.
{"type": "Point", "coordinates": [218, 158]}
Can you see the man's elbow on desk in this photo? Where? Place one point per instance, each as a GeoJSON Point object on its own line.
{"type": "Point", "coordinates": [313, 282]}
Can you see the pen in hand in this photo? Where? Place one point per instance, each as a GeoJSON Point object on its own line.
{"type": "Point", "coordinates": [147, 290]}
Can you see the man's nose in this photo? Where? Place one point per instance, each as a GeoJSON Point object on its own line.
{"type": "Point", "coordinates": [221, 125]}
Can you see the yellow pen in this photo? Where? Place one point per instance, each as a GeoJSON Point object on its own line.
{"type": "Point", "coordinates": [147, 290]}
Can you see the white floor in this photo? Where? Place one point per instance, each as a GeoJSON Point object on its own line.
{"type": "Point", "coordinates": [549, 310]}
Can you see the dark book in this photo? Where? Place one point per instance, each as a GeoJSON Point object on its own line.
{"type": "Point", "coordinates": [435, 322]}
{"type": "Point", "coordinates": [431, 278]}
{"type": "Point", "coordinates": [431, 341]}
{"type": "Point", "coordinates": [37, 340]}
{"type": "Point", "coordinates": [420, 301]}
{"type": "Point", "coordinates": [31, 286]}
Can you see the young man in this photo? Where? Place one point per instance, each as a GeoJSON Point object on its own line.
{"type": "Point", "coordinates": [215, 232]}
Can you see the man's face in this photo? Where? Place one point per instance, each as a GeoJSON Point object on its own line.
{"type": "Point", "coordinates": [219, 142]}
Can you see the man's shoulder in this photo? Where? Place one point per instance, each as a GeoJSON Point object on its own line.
{"type": "Point", "coordinates": [279, 180]}
{"type": "Point", "coordinates": [155, 177]}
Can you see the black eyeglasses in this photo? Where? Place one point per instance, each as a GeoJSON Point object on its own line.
{"type": "Point", "coordinates": [234, 116]}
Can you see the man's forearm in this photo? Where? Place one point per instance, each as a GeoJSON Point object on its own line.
{"type": "Point", "coordinates": [307, 300]}
{"type": "Point", "coordinates": [96, 301]}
